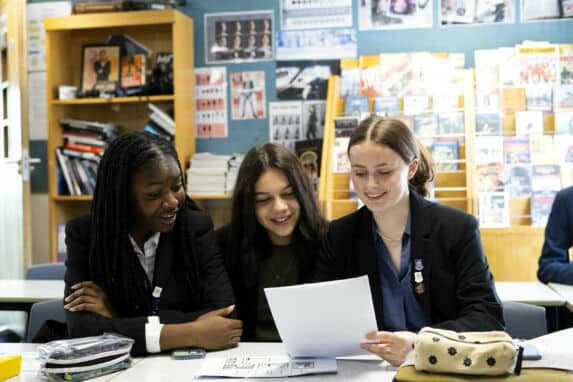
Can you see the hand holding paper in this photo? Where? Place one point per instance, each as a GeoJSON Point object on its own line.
{"type": "Point", "coordinates": [326, 319]}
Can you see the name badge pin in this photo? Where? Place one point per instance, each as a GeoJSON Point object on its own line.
{"type": "Point", "coordinates": [157, 292]}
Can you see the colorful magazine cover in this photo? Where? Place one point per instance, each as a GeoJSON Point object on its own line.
{"type": "Point", "coordinates": [445, 155]}
{"type": "Point", "coordinates": [345, 126]}
{"type": "Point", "coordinates": [451, 124]}
{"type": "Point", "coordinates": [545, 177]}
{"type": "Point", "coordinates": [542, 150]}
{"type": "Point", "coordinates": [493, 209]}
{"type": "Point", "coordinates": [356, 106]}
{"type": "Point", "coordinates": [416, 104]}
{"type": "Point", "coordinates": [489, 177]}
{"type": "Point", "coordinates": [539, 97]}
{"type": "Point", "coordinates": [309, 153]}
{"type": "Point", "coordinates": [528, 123]}
{"type": "Point", "coordinates": [516, 150]}
{"type": "Point", "coordinates": [563, 97]}
{"type": "Point", "coordinates": [541, 203]}
{"type": "Point", "coordinates": [488, 149]}
{"type": "Point", "coordinates": [538, 64]}
{"type": "Point", "coordinates": [517, 179]}
{"type": "Point", "coordinates": [488, 124]}
{"type": "Point", "coordinates": [387, 105]}
{"type": "Point", "coordinates": [564, 122]}
{"type": "Point", "coordinates": [566, 62]}
{"type": "Point", "coordinates": [426, 127]}
{"type": "Point", "coordinates": [133, 71]}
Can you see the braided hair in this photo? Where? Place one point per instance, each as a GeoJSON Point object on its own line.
{"type": "Point", "coordinates": [112, 262]}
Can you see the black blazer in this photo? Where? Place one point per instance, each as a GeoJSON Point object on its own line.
{"type": "Point", "coordinates": [177, 304]}
{"type": "Point", "coordinates": [459, 291]}
{"type": "Point", "coordinates": [247, 296]}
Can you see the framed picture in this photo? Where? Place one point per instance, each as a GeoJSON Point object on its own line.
{"type": "Point", "coordinates": [239, 37]}
{"type": "Point", "coordinates": [100, 67]}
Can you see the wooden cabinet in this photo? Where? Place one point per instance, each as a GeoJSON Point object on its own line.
{"type": "Point", "coordinates": [161, 31]}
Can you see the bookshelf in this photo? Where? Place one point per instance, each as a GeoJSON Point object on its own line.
{"type": "Point", "coordinates": [161, 31]}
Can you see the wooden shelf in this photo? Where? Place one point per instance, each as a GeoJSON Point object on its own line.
{"type": "Point", "coordinates": [169, 31]}
{"type": "Point", "coordinates": [210, 196]}
{"type": "Point", "coordinates": [74, 199]}
{"type": "Point", "coordinates": [97, 101]}
{"type": "Point", "coordinates": [110, 20]}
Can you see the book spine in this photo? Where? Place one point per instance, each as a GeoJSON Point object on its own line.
{"type": "Point", "coordinates": [161, 123]}
{"type": "Point", "coordinates": [85, 148]}
{"type": "Point", "coordinates": [76, 178]}
{"type": "Point", "coordinates": [64, 170]}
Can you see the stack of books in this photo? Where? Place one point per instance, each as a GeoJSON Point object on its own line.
{"type": "Point", "coordinates": [160, 123]}
{"type": "Point", "coordinates": [78, 158]}
{"type": "Point", "coordinates": [212, 174]}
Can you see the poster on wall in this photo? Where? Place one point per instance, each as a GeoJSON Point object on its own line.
{"type": "Point", "coordinates": [395, 14]}
{"type": "Point", "coordinates": [539, 10]}
{"type": "Point", "coordinates": [248, 95]}
{"type": "Point", "coordinates": [285, 123]}
{"type": "Point", "coordinates": [304, 79]}
{"type": "Point", "coordinates": [36, 34]}
{"type": "Point", "coordinates": [317, 44]}
{"type": "Point", "coordinates": [465, 12]}
{"type": "Point", "coordinates": [211, 102]}
{"type": "Point", "coordinates": [313, 119]}
{"type": "Point", "coordinates": [310, 14]}
{"type": "Point", "coordinates": [238, 37]}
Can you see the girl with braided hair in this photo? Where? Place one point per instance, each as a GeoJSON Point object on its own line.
{"type": "Point", "coordinates": [144, 263]}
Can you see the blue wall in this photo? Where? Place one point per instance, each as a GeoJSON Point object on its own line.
{"type": "Point", "coordinates": [464, 39]}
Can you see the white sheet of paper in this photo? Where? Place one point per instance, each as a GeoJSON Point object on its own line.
{"type": "Point", "coordinates": [265, 367]}
{"type": "Point", "coordinates": [327, 319]}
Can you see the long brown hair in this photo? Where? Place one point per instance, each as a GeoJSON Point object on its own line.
{"type": "Point", "coordinates": [245, 229]}
{"type": "Point", "coordinates": [396, 135]}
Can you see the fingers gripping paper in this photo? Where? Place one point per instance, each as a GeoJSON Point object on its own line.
{"type": "Point", "coordinates": [327, 319]}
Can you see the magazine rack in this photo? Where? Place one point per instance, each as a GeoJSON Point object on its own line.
{"type": "Point", "coordinates": [512, 252]}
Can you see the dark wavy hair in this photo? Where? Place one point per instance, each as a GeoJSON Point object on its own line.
{"type": "Point", "coordinates": [396, 135]}
{"type": "Point", "coordinates": [112, 263]}
{"type": "Point", "coordinates": [245, 231]}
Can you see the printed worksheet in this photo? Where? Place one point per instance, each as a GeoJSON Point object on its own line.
{"type": "Point", "coordinates": [266, 367]}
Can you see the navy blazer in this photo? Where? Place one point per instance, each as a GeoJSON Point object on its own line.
{"type": "Point", "coordinates": [554, 263]}
{"type": "Point", "coordinates": [177, 304]}
{"type": "Point", "coordinates": [459, 291]}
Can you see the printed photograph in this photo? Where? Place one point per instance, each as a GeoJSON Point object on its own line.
{"type": "Point", "coordinates": [238, 36]}
{"type": "Point", "coordinates": [304, 79]}
{"type": "Point", "coordinates": [100, 67]}
{"type": "Point", "coordinates": [248, 95]}
{"type": "Point", "coordinates": [395, 14]}
{"type": "Point", "coordinates": [310, 14]}
{"type": "Point", "coordinates": [465, 12]}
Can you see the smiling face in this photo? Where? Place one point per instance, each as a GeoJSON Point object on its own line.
{"type": "Point", "coordinates": [277, 208]}
{"type": "Point", "coordinates": [156, 193]}
{"type": "Point", "coordinates": [380, 176]}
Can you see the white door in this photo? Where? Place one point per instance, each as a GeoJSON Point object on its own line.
{"type": "Point", "coordinates": [14, 163]}
{"type": "Point", "coordinates": [15, 234]}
